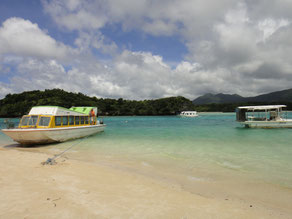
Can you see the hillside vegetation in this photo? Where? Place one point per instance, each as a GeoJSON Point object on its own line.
{"type": "Point", "coordinates": [283, 96]}
{"type": "Point", "coordinates": [16, 105]}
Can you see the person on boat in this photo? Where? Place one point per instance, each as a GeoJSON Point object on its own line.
{"type": "Point", "coordinates": [92, 116]}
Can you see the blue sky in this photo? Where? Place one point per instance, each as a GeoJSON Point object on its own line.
{"type": "Point", "coordinates": [26, 9]}
{"type": "Point", "coordinates": [142, 49]}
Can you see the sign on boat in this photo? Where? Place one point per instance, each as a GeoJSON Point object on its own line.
{"type": "Point", "coordinates": [48, 124]}
{"type": "Point", "coordinates": [270, 116]}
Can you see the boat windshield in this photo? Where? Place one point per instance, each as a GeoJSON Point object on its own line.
{"type": "Point", "coordinates": [33, 120]}
{"type": "Point", "coordinates": [24, 121]}
{"type": "Point", "coordinates": [29, 121]}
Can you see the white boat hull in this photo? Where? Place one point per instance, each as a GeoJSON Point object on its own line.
{"type": "Point", "coordinates": [50, 135]}
{"type": "Point", "coordinates": [268, 124]}
{"type": "Point", "coordinates": [188, 114]}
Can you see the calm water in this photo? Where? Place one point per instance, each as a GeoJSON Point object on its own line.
{"type": "Point", "coordinates": [208, 146]}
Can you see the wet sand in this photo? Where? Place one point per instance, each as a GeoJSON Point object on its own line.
{"type": "Point", "coordinates": [78, 189]}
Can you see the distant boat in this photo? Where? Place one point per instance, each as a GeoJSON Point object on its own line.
{"type": "Point", "coordinates": [188, 114]}
{"type": "Point", "coordinates": [48, 124]}
{"type": "Point", "coordinates": [270, 116]}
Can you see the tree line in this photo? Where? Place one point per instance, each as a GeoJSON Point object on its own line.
{"type": "Point", "coordinates": [16, 105]}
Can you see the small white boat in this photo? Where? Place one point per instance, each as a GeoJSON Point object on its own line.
{"type": "Point", "coordinates": [188, 114]}
{"type": "Point", "coordinates": [48, 124]}
{"type": "Point", "coordinates": [270, 116]}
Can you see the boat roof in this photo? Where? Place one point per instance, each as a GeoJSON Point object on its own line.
{"type": "Point", "coordinates": [61, 111]}
{"type": "Point", "coordinates": [83, 109]}
{"type": "Point", "coordinates": [267, 107]}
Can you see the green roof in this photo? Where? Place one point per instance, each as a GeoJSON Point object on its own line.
{"type": "Point", "coordinates": [82, 109]}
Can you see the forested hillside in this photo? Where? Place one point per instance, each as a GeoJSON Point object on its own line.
{"type": "Point", "coordinates": [15, 105]}
{"type": "Point", "coordinates": [283, 96]}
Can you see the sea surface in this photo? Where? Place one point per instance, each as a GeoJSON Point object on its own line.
{"type": "Point", "coordinates": [208, 148]}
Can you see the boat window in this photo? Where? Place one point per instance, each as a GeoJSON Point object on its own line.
{"type": "Point", "coordinates": [58, 120]}
{"type": "Point", "coordinates": [241, 115]}
{"type": "Point", "coordinates": [65, 120]}
{"type": "Point", "coordinates": [44, 121]}
{"type": "Point", "coordinates": [76, 120]}
{"type": "Point", "coordinates": [273, 115]}
{"type": "Point", "coordinates": [33, 120]}
{"type": "Point", "coordinates": [71, 120]}
{"type": "Point", "coordinates": [86, 120]}
{"type": "Point", "coordinates": [82, 120]}
{"type": "Point", "coordinates": [24, 121]}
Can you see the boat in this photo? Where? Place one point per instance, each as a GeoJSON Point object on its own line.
{"type": "Point", "coordinates": [188, 114]}
{"type": "Point", "coordinates": [269, 116]}
{"type": "Point", "coordinates": [49, 124]}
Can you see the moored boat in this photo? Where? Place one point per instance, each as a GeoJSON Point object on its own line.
{"type": "Point", "coordinates": [270, 116]}
{"type": "Point", "coordinates": [48, 124]}
{"type": "Point", "coordinates": [188, 114]}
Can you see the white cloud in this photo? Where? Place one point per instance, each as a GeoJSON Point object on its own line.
{"type": "Point", "coordinates": [36, 74]}
{"type": "Point", "coordinates": [132, 75]}
{"type": "Point", "coordinates": [160, 27]}
{"type": "Point", "coordinates": [239, 47]}
{"type": "Point", "coordinates": [144, 75]}
{"type": "Point", "coordinates": [254, 52]}
{"type": "Point", "coordinates": [5, 89]}
{"type": "Point", "coordinates": [261, 9]}
{"type": "Point", "coordinates": [139, 75]}
{"type": "Point", "coordinates": [154, 17]}
{"type": "Point", "coordinates": [22, 37]}
{"type": "Point", "coordinates": [87, 41]}
{"type": "Point", "coordinates": [77, 15]}
{"type": "Point", "coordinates": [269, 26]}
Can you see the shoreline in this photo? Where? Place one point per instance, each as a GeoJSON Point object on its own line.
{"type": "Point", "coordinates": [78, 189]}
{"type": "Point", "coordinates": [138, 115]}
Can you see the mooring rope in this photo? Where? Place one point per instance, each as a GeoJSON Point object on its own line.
{"type": "Point", "coordinates": [52, 161]}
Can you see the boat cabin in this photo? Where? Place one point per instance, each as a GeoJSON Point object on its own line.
{"type": "Point", "coordinates": [57, 117]}
{"type": "Point", "coordinates": [259, 113]}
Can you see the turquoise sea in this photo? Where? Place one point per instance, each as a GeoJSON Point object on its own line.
{"type": "Point", "coordinates": [211, 147]}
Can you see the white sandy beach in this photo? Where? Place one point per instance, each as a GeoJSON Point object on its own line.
{"type": "Point", "coordinates": [76, 189]}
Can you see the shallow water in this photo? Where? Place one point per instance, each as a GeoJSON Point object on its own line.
{"type": "Point", "coordinates": [205, 148]}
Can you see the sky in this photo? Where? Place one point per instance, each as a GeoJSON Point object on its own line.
{"type": "Point", "coordinates": [146, 49]}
